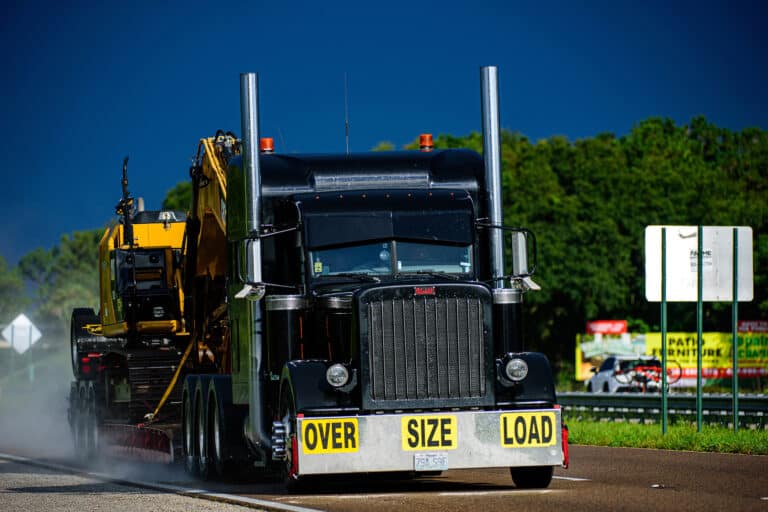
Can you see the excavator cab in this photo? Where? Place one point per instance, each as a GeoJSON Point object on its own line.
{"type": "Point", "coordinates": [140, 282]}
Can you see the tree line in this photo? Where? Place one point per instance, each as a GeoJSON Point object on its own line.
{"type": "Point", "coordinates": [588, 202]}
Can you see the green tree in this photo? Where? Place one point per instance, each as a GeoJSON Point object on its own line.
{"type": "Point", "coordinates": [384, 145]}
{"type": "Point", "coordinates": [66, 276]}
{"type": "Point", "coordinates": [179, 197]}
{"type": "Point", "coordinates": [36, 267]}
{"type": "Point", "coordinates": [12, 297]}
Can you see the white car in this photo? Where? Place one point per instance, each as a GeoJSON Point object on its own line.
{"type": "Point", "coordinates": [626, 373]}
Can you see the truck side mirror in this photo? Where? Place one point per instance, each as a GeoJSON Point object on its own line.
{"type": "Point", "coordinates": [523, 250]}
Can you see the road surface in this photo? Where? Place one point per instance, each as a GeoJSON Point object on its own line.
{"type": "Point", "coordinates": [599, 479]}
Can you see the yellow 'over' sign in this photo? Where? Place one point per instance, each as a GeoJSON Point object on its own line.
{"type": "Point", "coordinates": [330, 436]}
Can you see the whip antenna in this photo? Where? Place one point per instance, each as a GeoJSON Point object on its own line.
{"type": "Point", "coordinates": [282, 141]}
{"type": "Point", "coordinates": [346, 112]}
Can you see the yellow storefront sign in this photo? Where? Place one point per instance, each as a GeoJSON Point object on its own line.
{"type": "Point", "coordinates": [716, 351]}
{"type": "Point", "coordinates": [715, 348]}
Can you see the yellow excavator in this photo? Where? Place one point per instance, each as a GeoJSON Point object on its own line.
{"type": "Point", "coordinates": [129, 359]}
{"type": "Point", "coordinates": [124, 357]}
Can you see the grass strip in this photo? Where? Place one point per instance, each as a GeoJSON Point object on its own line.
{"type": "Point", "coordinates": [678, 437]}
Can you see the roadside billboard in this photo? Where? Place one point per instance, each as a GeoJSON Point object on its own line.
{"type": "Point", "coordinates": [716, 353]}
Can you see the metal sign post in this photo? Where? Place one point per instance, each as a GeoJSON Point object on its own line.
{"type": "Point", "coordinates": [22, 334]}
{"type": "Point", "coordinates": [735, 338]}
{"type": "Point", "coordinates": [13, 356]}
{"type": "Point", "coordinates": [698, 264]}
{"type": "Point", "coordinates": [31, 366]}
{"type": "Point", "coordinates": [699, 322]}
{"type": "Point", "coordinates": [664, 412]}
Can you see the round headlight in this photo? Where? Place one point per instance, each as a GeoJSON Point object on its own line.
{"type": "Point", "coordinates": [337, 375]}
{"type": "Point", "coordinates": [516, 369]}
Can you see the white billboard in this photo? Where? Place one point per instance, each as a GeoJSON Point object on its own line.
{"type": "Point", "coordinates": [682, 263]}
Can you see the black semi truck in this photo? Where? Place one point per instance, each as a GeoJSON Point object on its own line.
{"type": "Point", "coordinates": [354, 313]}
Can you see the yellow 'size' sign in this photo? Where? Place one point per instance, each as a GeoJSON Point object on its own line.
{"type": "Point", "coordinates": [330, 436]}
{"type": "Point", "coordinates": [429, 432]}
{"type": "Point", "coordinates": [528, 429]}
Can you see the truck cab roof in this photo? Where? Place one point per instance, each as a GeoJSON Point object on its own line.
{"type": "Point", "coordinates": [283, 174]}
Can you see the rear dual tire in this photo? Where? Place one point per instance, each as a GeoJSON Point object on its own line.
{"type": "Point", "coordinates": [85, 420]}
{"type": "Point", "coordinates": [206, 440]}
{"type": "Point", "coordinates": [188, 430]}
{"type": "Point", "coordinates": [201, 439]}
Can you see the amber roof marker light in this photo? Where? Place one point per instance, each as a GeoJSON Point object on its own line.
{"type": "Point", "coordinates": [425, 143]}
{"type": "Point", "coordinates": [267, 145]}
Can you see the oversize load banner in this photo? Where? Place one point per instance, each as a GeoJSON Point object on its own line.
{"type": "Point", "coordinates": [717, 358]}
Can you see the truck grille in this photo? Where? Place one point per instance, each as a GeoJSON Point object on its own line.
{"type": "Point", "coordinates": [426, 347]}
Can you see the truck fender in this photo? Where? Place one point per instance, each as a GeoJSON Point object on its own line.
{"type": "Point", "coordinates": [311, 390]}
{"type": "Point", "coordinates": [538, 386]}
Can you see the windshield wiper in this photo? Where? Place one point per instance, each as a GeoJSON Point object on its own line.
{"type": "Point", "coordinates": [432, 273]}
{"type": "Point", "coordinates": [356, 275]}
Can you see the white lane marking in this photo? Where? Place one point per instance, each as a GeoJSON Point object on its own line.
{"type": "Point", "coordinates": [268, 505]}
{"type": "Point", "coordinates": [446, 493]}
{"type": "Point", "coordinates": [572, 478]}
{"type": "Point", "coordinates": [198, 493]}
{"type": "Point", "coordinates": [487, 493]}
{"type": "Point", "coordinates": [360, 496]}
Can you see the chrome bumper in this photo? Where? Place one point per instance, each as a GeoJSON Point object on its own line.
{"type": "Point", "coordinates": [429, 442]}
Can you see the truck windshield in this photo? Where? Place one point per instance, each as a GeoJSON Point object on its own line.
{"type": "Point", "coordinates": [391, 258]}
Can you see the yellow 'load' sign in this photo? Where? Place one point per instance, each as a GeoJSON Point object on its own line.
{"type": "Point", "coordinates": [330, 436]}
{"type": "Point", "coordinates": [528, 429]}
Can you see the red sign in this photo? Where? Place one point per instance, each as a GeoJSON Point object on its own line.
{"type": "Point", "coordinates": [424, 290]}
{"type": "Point", "coordinates": [607, 327]}
{"type": "Point", "coordinates": [753, 325]}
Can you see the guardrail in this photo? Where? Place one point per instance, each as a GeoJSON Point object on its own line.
{"type": "Point", "coordinates": [717, 408]}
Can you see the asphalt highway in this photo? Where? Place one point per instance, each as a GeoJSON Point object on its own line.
{"type": "Point", "coordinates": [599, 479]}
{"type": "Point", "coordinates": [31, 487]}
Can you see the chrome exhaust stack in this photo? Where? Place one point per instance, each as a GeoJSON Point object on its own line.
{"type": "Point", "coordinates": [507, 302]}
{"type": "Point", "coordinates": [253, 290]}
{"type": "Point", "coordinates": [489, 84]}
{"type": "Point", "coordinates": [249, 118]}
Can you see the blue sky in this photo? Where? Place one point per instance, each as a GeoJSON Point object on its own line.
{"type": "Point", "coordinates": [86, 83]}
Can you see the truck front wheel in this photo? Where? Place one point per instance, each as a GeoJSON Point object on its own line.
{"type": "Point", "coordinates": [288, 419]}
{"type": "Point", "coordinates": [536, 477]}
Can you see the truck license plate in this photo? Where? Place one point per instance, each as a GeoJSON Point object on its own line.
{"type": "Point", "coordinates": [430, 462]}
